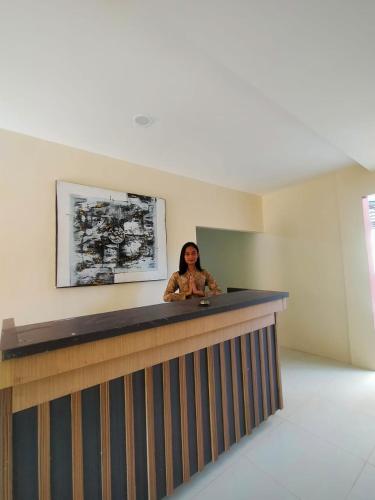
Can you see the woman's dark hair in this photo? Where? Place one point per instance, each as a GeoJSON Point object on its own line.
{"type": "Point", "coordinates": [183, 266]}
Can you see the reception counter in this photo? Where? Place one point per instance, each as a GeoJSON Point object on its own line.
{"type": "Point", "coordinates": [132, 403]}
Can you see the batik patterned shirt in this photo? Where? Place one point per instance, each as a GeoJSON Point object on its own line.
{"type": "Point", "coordinates": [181, 283]}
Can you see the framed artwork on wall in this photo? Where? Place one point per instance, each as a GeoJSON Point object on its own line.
{"type": "Point", "coordinates": [106, 237]}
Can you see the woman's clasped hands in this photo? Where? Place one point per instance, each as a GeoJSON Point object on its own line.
{"type": "Point", "coordinates": [193, 290]}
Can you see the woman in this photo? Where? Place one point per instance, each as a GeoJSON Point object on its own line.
{"type": "Point", "coordinates": [190, 279]}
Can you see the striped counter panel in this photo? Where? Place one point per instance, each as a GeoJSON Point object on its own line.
{"type": "Point", "coordinates": [142, 435]}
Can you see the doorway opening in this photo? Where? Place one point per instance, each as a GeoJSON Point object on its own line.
{"type": "Point", "coordinates": [228, 256]}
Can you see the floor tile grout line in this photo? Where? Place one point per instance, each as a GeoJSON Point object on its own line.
{"type": "Point", "coordinates": [215, 478]}
{"type": "Point", "coordinates": [256, 466]}
{"type": "Point", "coordinates": [268, 434]}
{"type": "Point", "coordinates": [217, 475]}
{"type": "Point", "coordinates": [358, 412]}
{"type": "Point", "coordinates": [260, 438]}
{"type": "Point", "coordinates": [276, 480]}
{"type": "Point", "coordinates": [355, 480]}
{"type": "Point", "coordinates": [327, 441]}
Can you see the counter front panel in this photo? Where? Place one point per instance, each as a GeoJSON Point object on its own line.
{"type": "Point", "coordinates": [153, 415]}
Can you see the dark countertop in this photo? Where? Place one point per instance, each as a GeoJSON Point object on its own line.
{"type": "Point", "coordinates": [18, 341]}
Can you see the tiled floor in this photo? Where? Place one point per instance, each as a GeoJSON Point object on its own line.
{"type": "Point", "coordinates": [321, 446]}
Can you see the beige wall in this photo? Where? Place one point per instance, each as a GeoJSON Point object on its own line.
{"type": "Point", "coordinates": [29, 168]}
{"type": "Point", "coordinates": [303, 228]}
{"type": "Point", "coordinates": [314, 247]}
{"type": "Point", "coordinates": [352, 185]}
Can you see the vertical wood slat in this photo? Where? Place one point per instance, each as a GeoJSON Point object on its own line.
{"type": "Point", "coordinates": [168, 428]}
{"type": "Point", "coordinates": [271, 369]}
{"type": "Point", "coordinates": [236, 406]}
{"type": "Point", "coordinates": [6, 431]}
{"type": "Point", "coordinates": [44, 454]}
{"type": "Point", "coordinates": [184, 419]}
{"type": "Point", "coordinates": [150, 433]}
{"type": "Point", "coordinates": [129, 437]}
{"type": "Point", "coordinates": [77, 447]}
{"type": "Point", "coordinates": [198, 409]}
{"type": "Point", "coordinates": [6, 492]}
{"type": "Point", "coordinates": [212, 402]}
{"type": "Point", "coordinates": [255, 378]}
{"type": "Point", "coordinates": [277, 361]}
{"type": "Point", "coordinates": [105, 440]}
{"type": "Point", "coordinates": [263, 374]}
{"type": "Point", "coordinates": [245, 385]}
{"type": "Point", "coordinates": [224, 396]}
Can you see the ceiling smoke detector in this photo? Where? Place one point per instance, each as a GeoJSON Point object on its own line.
{"type": "Point", "coordinates": [143, 120]}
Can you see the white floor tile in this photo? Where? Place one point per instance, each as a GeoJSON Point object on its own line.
{"type": "Point", "coordinates": [306, 465]}
{"type": "Point", "coordinates": [364, 488]}
{"type": "Point", "coordinates": [244, 481]}
{"type": "Point", "coordinates": [371, 458]}
{"type": "Point", "coordinates": [352, 431]}
{"type": "Point", "coordinates": [294, 400]}
{"type": "Point", "coordinates": [258, 433]}
{"type": "Point", "coordinates": [304, 376]}
{"type": "Point", "coordinates": [354, 389]}
{"type": "Point", "coordinates": [207, 475]}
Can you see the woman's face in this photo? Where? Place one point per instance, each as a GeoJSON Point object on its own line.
{"type": "Point", "coordinates": [191, 255]}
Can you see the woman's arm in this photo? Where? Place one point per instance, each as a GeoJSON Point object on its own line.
{"type": "Point", "coordinates": [170, 294]}
{"type": "Point", "coordinates": [212, 285]}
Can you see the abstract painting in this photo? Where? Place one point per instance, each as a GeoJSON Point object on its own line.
{"type": "Point", "coordinates": [106, 237]}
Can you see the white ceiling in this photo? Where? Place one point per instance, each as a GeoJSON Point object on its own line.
{"type": "Point", "coordinates": [247, 94]}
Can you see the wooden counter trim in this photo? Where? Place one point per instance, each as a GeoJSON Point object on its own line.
{"type": "Point", "coordinates": [184, 419]}
{"type": "Point", "coordinates": [271, 368]}
{"type": "Point", "coordinates": [26, 369]}
{"type": "Point", "coordinates": [27, 395]}
{"type": "Point", "coordinates": [245, 385]}
{"type": "Point", "coordinates": [224, 397]}
{"type": "Point", "coordinates": [6, 476]}
{"type": "Point", "coordinates": [44, 455]}
{"type": "Point", "coordinates": [105, 440]}
{"type": "Point", "coordinates": [212, 402]}
{"type": "Point", "coordinates": [168, 429]}
{"type": "Point", "coordinates": [77, 447]}
{"type": "Point", "coordinates": [8, 329]}
{"type": "Point", "coordinates": [263, 375]}
{"type": "Point", "coordinates": [278, 372]}
{"type": "Point", "coordinates": [255, 380]}
{"type": "Point", "coordinates": [150, 432]}
{"type": "Point", "coordinates": [129, 438]}
{"type": "Point", "coordinates": [236, 408]}
{"type": "Point", "coordinates": [198, 409]}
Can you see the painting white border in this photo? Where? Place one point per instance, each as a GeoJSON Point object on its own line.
{"type": "Point", "coordinates": [64, 234]}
